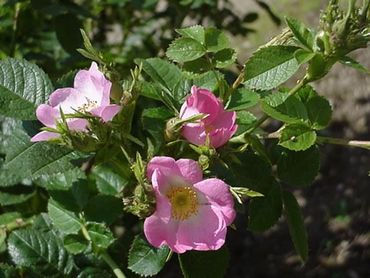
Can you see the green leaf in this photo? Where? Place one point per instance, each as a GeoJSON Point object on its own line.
{"type": "Point", "coordinates": [297, 137]}
{"type": "Point", "coordinates": [185, 49]}
{"type": "Point", "coordinates": [195, 32]}
{"type": "Point", "coordinates": [265, 211]}
{"type": "Point", "coordinates": [103, 208]}
{"type": "Point", "coordinates": [23, 86]}
{"type": "Point", "coordinates": [304, 56]}
{"type": "Point", "coordinates": [42, 250]}
{"type": "Point", "coordinates": [197, 67]}
{"type": "Point", "coordinates": [8, 199]}
{"type": "Point", "coordinates": [245, 120]}
{"type": "Point", "coordinates": [299, 168]}
{"type": "Point", "coordinates": [304, 35]}
{"type": "Point", "coordinates": [283, 108]}
{"type": "Point", "coordinates": [64, 220]}
{"type": "Point", "coordinates": [75, 244]}
{"type": "Point", "coordinates": [61, 181]}
{"type": "Point", "coordinates": [204, 264]}
{"type": "Point", "coordinates": [319, 112]}
{"type": "Point", "coordinates": [208, 80]}
{"type": "Point", "coordinates": [224, 58]}
{"type": "Point", "coordinates": [154, 119]}
{"type": "Point", "coordinates": [107, 180]}
{"type": "Point", "coordinates": [166, 74]}
{"type": "Point", "coordinates": [8, 271]}
{"type": "Point", "coordinates": [295, 220]}
{"type": "Point", "coordinates": [32, 160]}
{"type": "Point", "coordinates": [2, 240]}
{"type": "Point", "coordinates": [100, 235]}
{"type": "Point", "coordinates": [67, 28]}
{"type": "Point", "coordinates": [215, 40]}
{"type": "Point", "coordinates": [348, 61]}
{"type": "Point", "coordinates": [12, 105]}
{"type": "Point", "coordinates": [146, 260]}
{"type": "Point", "coordinates": [270, 66]}
{"type": "Point", "coordinates": [242, 99]}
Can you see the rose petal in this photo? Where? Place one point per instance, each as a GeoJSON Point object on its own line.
{"type": "Point", "coordinates": [160, 229]}
{"type": "Point", "coordinates": [205, 231]}
{"type": "Point", "coordinates": [160, 182]}
{"type": "Point", "coordinates": [194, 134]}
{"type": "Point", "coordinates": [78, 124]}
{"type": "Point", "coordinates": [190, 170]}
{"type": "Point", "coordinates": [218, 193]}
{"type": "Point", "coordinates": [93, 85]}
{"type": "Point", "coordinates": [74, 102]}
{"type": "Point", "coordinates": [60, 95]}
{"type": "Point", "coordinates": [166, 165]}
{"type": "Point", "coordinates": [107, 113]}
{"type": "Point", "coordinates": [47, 115]}
{"type": "Point", "coordinates": [201, 101]}
{"type": "Point", "coordinates": [44, 136]}
{"type": "Point", "coordinates": [225, 119]}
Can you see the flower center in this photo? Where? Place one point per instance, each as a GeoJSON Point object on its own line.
{"type": "Point", "coordinates": [88, 105]}
{"type": "Point", "coordinates": [209, 128]}
{"type": "Point", "coordinates": [184, 202]}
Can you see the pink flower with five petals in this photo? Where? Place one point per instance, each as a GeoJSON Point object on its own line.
{"type": "Point", "coordinates": [218, 125]}
{"type": "Point", "coordinates": [191, 213]}
{"type": "Point", "coordinates": [90, 93]}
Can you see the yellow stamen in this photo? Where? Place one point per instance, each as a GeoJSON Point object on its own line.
{"type": "Point", "coordinates": [209, 128]}
{"type": "Point", "coordinates": [184, 202]}
{"type": "Point", "coordinates": [89, 105]}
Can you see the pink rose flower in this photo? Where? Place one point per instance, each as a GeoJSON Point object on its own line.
{"type": "Point", "coordinates": [191, 213]}
{"type": "Point", "coordinates": [219, 124]}
{"type": "Point", "coordinates": [90, 93]}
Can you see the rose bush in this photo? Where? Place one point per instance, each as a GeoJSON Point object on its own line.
{"type": "Point", "coordinates": [103, 175]}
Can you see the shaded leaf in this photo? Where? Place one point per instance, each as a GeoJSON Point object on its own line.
{"type": "Point", "coordinates": [107, 180]}
{"type": "Point", "coordinates": [224, 58]}
{"type": "Point", "coordinates": [100, 235]}
{"type": "Point", "coordinates": [67, 28]}
{"type": "Point", "coordinates": [242, 99]}
{"type": "Point", "coordinates": [204, 264]}
{"type": "Point", "coordinates": [284, 108]}
{"type": "Point", "coordinates": [215, 40]}
{"type": "Point", "coordinates": [265, 211]}
{"type": "Point", "coordinates": [32, 248]}
{"type": "Point", "coordinates": [75, 244]}
{"type": "Point", "coordinates": [23, 86]}
{"type": "Point", "coordinates": [299, 168]}
{"type": "Point", "coordinates": [295, 220]}
{"type": "Point", "coordinates": [64, 220]}
{"type": "Point", "coordinates": [103, 208]}
{"type": "Point", "coordinates": [145, 259]}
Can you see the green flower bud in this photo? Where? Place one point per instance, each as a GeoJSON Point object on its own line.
{"type": "Point", "coordinates": [141, 201]}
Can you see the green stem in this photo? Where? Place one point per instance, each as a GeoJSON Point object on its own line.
{"type": "Point", "coordinates": [116, 270]}
{"type": "Point", "coordinates": [18, 223]}
{"type": "Point", "coordinates": [343, 142]}
{"type": "Point", "coordinates": [329, 140]}
{"type": "Point", "coordinates": [15, 27]}
{"type": "Point", "coordinates": [235, 85]}
{"type": "Point", "coordinates": [105, 256]}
